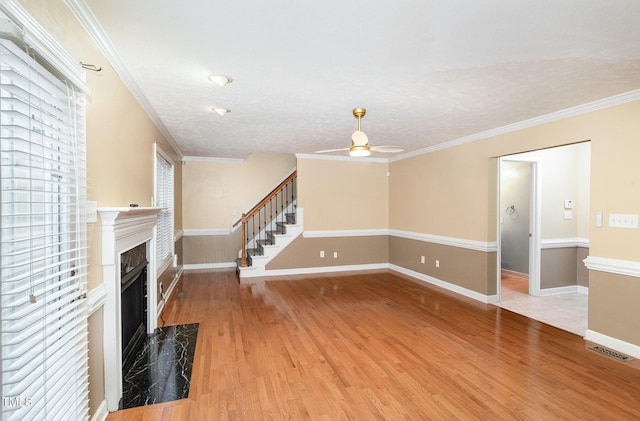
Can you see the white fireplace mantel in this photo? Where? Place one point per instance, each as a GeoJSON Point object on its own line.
{"type": "Point", "coordinates": [124, 228]}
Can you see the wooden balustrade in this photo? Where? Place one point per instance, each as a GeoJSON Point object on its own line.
{"type": "Point", "coordinates": [261, 206]}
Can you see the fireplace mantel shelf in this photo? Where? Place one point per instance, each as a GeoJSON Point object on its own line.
{"type": "Point", "coordinates": [131, 210]}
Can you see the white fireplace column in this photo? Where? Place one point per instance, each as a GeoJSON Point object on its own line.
{"type": "Point", "coordinates": [124, 228]}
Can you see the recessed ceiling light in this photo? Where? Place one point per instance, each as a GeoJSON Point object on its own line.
{"type": "Point", "coordinates": [221, 110]}
{"type": "Point", "coordinates": [220, 79]}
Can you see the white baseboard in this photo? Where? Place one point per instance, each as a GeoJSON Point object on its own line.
{"type": "Point", "coordinates": [613, 343]}
{"type": "Point", "coordinates": [569, 289]}
{"type": "Point", "coordinates": [101, 413]}
{"type": "Point", "coordinates": [488, 299]}
{"type": "Point", "coordinates": [446, 285]}
{"type": "Point", "coordinates": [583, 290]}
{"type": "Point", "coordinates": [200, 266]}
{"type": "Point", "coordinates": [324, 269]}
{"type": "Point", "coordinates": [506, 273]}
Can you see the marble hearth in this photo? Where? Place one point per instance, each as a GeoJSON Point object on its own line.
{"type": "Point", "coordinates": [162, 370]}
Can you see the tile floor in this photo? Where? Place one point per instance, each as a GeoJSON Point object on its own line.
{"type": "Point", "coordinates": [564, 311]}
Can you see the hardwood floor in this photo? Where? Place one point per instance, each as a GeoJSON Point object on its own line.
{"type": "Point", "coordinates": [377, 345]}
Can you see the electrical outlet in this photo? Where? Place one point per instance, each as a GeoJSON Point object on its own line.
{"type": "Point", "coordinates": [437, 263]}
{"type": "Point", "coordinates": [422, 259]}
{"type": "Point", "coordinates": [335, 254]}
{"type": "Point", "coordinates": [322, 254]}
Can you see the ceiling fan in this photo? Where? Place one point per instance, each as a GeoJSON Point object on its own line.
{"type": "Point", "coordinates": [360, 142]}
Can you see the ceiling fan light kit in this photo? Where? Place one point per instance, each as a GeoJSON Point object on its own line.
{"type": "Point", "coordinates": [359, 151]}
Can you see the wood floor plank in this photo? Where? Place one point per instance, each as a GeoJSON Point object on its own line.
{"type": "Point", "coordinates": [379, 346]}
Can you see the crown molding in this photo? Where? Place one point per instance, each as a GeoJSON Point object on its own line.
{"type": "Point", "coordinates": [341, 158]}
{"type": "Point", "coordinates": [547, 118]}
{"type": "Point", "coordinates": [212, 159]}
{"type": "Point", "coordinates": [97, 33]}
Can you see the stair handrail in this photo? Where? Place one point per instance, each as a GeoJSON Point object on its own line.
{"type": "Point", "coordinates": [245, 216]}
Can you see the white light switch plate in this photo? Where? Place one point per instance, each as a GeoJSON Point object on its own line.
{"type": "Point", "coordinates": [623, 220]}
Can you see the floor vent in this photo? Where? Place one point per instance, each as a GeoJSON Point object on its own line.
{"type": "Point", "coordinates": [611, 353]}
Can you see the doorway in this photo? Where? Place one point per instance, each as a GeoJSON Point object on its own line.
{"type": "Point", "coordinates": [543, 235]}
{"type": "Point", "coordinates": [517, 228]}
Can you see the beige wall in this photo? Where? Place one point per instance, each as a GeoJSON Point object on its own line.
{"type": "Point", "coordinates": [305, 252]}
{"type": "Point", "coordinates": [449, 193]}
{"type": "Point", "coordinates": [459, 266]}
{"type": "Point", "coordinates": [207, 249]}
{"type": "Point", "coordinates": [444, 193]}
{"type": "Point", "coordinates": [613, 306]}
{"type": "Point", "coordinates": [343, 195]}
{"type": "Point", "coordinates": [215, 194]}
{"type": "Point", "coordinates": [96, 360]}
{"type": "Point", "coordinates": [558, 267]}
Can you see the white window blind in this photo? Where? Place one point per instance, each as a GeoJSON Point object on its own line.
{"type": "Point", "coordinates": [164, 199]}
{"type": "Point", "coordinates": [43, 263]}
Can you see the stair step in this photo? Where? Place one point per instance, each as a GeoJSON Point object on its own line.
{"type": "Point", "coordinates": [239, 261]}
{"type": "Point", "coordinates": [254, 252]}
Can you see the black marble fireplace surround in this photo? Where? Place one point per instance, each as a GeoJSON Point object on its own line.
{"type": "Point", "coordinates": [162, 369]}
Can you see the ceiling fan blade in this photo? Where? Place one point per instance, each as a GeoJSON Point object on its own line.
{"type": "Point", "coordinates": [332, 150]}
{"type": "Point", "coordinates": [387, 149]}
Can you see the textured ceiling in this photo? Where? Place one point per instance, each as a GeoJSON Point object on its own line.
{"type": "Point", "coordinates": [428, 71]}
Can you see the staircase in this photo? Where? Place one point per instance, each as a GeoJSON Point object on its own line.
{"type": "Point", "coordinates": [268, 228]}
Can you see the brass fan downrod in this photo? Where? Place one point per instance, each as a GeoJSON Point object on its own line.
{"type": "Point", "coordinates": [359, 113]}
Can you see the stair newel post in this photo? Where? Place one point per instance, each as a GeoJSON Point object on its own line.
{"type": "Point", "coordinates": [245, 240]}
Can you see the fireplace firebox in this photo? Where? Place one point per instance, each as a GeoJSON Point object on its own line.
{"type": "Point", "coordinates": [133, 302]}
